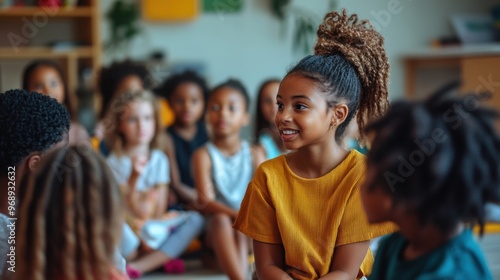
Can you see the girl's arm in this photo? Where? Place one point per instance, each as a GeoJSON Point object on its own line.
{"type": "Point", "coordinates": [161, 205]}
{"type": "Point", "coordinates": [186, 193]}
{"type": "Point", "coordinates": [269, 261]}
{"type": "Point", "coordinates": [347, 260]}
{"type": "Point", "coordinates": [205, 202]}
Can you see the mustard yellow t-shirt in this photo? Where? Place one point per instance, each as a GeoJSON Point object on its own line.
{"type": "Point", "coordinates": [309, 217]}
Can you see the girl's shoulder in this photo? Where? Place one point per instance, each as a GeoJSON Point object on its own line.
{"type": "Point", "coordinates": [258, 155]}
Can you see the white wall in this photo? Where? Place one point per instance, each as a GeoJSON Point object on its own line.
{"type": "Point", "coordinates": [252, 46]}
{"type": "Point", "coordinates": [412, 25]}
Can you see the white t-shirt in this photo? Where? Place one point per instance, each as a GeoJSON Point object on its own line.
{"type": "Point", "coordinates": [156, 171]}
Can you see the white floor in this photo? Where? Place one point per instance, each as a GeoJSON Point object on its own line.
{"type": "Point", "coordinates": [490, 243]}
{"type": "Point", "coordinates": [194, 271]}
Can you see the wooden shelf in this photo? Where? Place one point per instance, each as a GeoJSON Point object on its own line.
{"type": "Point", "coordinates": [50, 12]}
{"type": "Point", "coordinates": [477, 50]}
{"type": "Point", "coordinates": [45, 52]}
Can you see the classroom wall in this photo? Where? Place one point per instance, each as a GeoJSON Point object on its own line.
{"type": "Point", "coordinates": [253, 45]}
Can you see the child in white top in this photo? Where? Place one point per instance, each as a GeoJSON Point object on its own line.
{"type": "Point", "coordinates": [143, 172]}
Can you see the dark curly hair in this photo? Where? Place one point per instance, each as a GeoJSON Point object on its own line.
{"type": "Point", "coordinates": [440, 157]}
{"type": "Point", "coordinates": [69, 101]}
{"type": "Point", "coordinates": [236, 85]}
{"type": "Point", "coordinates": [350, 65]}
{"type": "Point", "coordinates": [111, 76]}
{"type": "Point", "coordinates": [169, 86]}
{"type": "Point", "coordinates": [30, 122]}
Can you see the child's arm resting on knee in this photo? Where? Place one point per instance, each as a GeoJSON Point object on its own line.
{"type": "Point", "coordinates": [347, 260]}
{"type": "Point", "coordinates": [205, 202]}
{"type": "Point", "coordinates": [269, 261]}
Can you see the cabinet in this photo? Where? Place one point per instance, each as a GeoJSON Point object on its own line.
{"type": "Point", "coordinates": [477, 66]}
{"type": "Point", "coordinates": [69, 35]}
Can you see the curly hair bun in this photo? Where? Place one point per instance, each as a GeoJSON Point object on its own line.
{"type": "Point", "coordinates": [363, 47]}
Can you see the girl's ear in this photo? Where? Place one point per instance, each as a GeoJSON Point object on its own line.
{"type": "Point", "coordinates": [33, 161]}
{"type": "Point", "coordinates": [339, 114]}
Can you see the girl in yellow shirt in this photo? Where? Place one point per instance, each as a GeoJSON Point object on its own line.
{"type": "Point", "coordinates": [303, 210]}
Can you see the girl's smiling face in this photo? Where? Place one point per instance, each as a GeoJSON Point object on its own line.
{"type": "Point", "coordinates": [303, 117]}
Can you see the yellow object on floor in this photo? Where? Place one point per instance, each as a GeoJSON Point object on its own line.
{"type": "Point", "coordinates": [194, 246]}
{"type": "Point", "coordinates": [489, 228]}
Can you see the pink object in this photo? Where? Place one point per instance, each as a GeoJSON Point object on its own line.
{"type": "Point", "coordinates": [176, 266]}
{"type": "Point", "coordinates": [133, 273]}
{"type": "Point", "coordinates": [49, 3]}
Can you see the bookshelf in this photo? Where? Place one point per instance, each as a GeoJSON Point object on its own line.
{"type": "Point", "coordinates": [28, 33]}
{"type": "Point", "coordinates": [477, 66]}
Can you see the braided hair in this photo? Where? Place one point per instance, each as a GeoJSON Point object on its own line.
{"type": "Point", "coordinates": [351, 66]}
{"type": "Point", "coordinates": [71, 217]}
{"type": "Point", "coordinates": [439, 157]}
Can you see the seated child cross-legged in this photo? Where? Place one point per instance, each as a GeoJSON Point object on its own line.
{"type": "Point", "coordinates": [432, 167]}
{"type": "Point", "coordinates": [143, 172]}
{"type": "Point", "coordinates": [222, 169]}
{"type": "Point", "coordinates": [303, 209]}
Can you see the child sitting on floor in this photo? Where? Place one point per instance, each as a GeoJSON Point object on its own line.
{"type": "Point", "coordinates": [432, 167]}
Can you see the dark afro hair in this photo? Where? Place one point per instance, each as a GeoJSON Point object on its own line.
{"type": "Point", "coordinates": [111, 76]}
{"type": "Point", "coordinates": [440, 157]}
{"type": "Point", "coordinates": [171, 83]}
{"type": "Point", "coordinates": [236, 85]}
{"type": "Point", "coordinates": [30, 122]}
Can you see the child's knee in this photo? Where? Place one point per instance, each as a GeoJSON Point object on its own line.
{"type": "Point", "coordinates": [220, 220]}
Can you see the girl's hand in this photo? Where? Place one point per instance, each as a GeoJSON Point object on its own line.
{"type": "Point", "coordinates": [170, 215]}
{"type": "Point", "coordinates": [139, 164]}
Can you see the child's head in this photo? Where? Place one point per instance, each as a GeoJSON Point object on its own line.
{"type": "Point", "coordinates": [118, 78]}
{"type": "Point", "coordinates": [71, 213]}
{"type": "Point", "coordinates": [266, 105]}
{"type": "Point", "coordinates": [135, 121]}
{"type": "Point", "coordinates": [31, 124]}
{"type": "Point", "coordinates": [350, 69]}
{"type": "Point", "coordinates": [227, 108]}
{"type": "Point", "coordinates": [437, 160]}
{"type": "Point", "coordinates": [46, 77]}
{"type": "Point", "coordinates": [187, 94]}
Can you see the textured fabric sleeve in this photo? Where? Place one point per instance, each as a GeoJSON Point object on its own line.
{"type": "Point", "coordinates": [354, 226]}
{"type": "Point", "coordinates": [257, 216]}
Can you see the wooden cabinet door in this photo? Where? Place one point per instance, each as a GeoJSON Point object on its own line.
{"type": "Point", "coordinates": [483, 74]}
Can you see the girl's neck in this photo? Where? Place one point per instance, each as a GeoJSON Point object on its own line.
{"type": "Point", "coordinates": [133, 151]}
{"type": "Point", "coordinates": [316, 160]}
{"type": "Point", "coordinates": [424, 239]}
{"type": "Point", "coordinates": [186, 132]}
{"type": "Point", "coordinates": [228, 145]}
